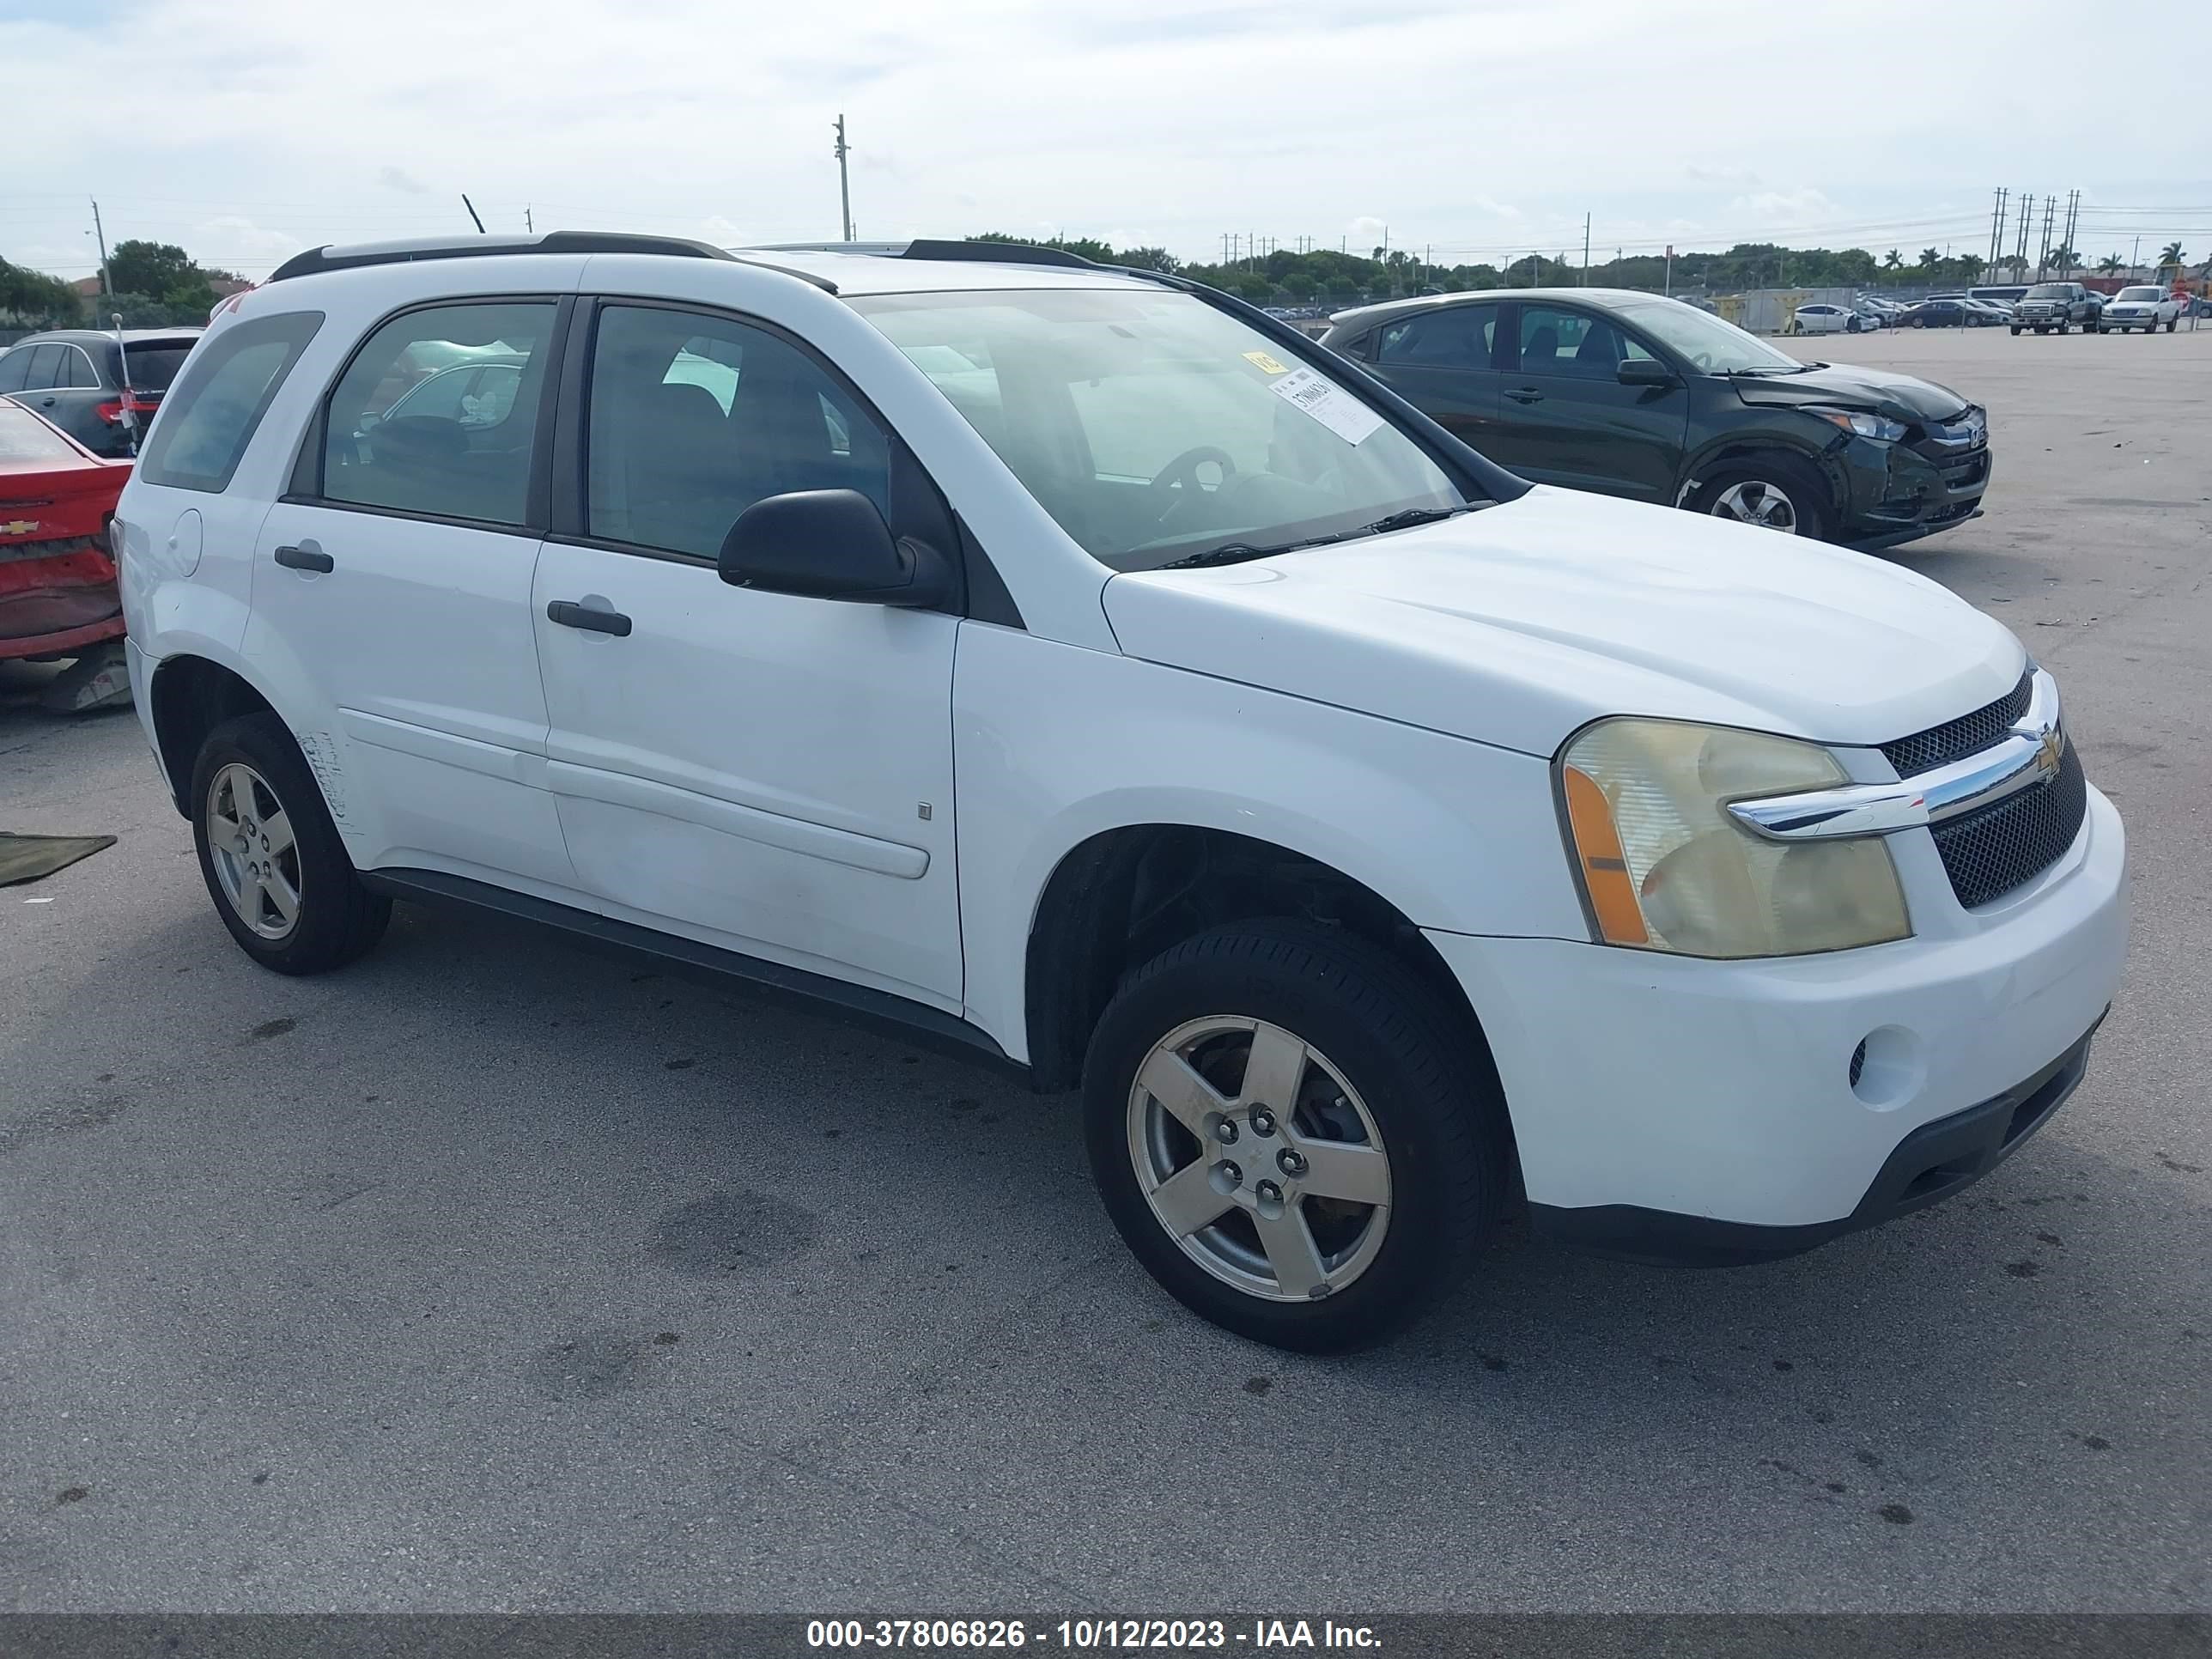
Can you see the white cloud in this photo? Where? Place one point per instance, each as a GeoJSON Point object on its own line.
{"type": "Point", "coordinates": [1456, 124]}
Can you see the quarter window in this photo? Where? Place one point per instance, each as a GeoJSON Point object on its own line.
{"type": "Point", "coordinates": [210, 416]}
{"type": "Point", "coordinates": [695, 418]}
{"type": "Point", "coordinates": [447, 460]}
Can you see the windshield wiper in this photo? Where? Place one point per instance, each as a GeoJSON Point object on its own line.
{"type": "Point", "coordinates": [1238, 552]}
{"type": "Point", "coordinates": [1228, 553]}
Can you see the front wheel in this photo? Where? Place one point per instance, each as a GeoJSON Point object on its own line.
{"type": "Point", "coordinates": [1775, 492]}
{"type": "Point", "coordinates": [272, 858]}
{"type": "Point", "coordinates": [1292, 1133]}
{"type": "Point", "coordinates": [2015, 331]}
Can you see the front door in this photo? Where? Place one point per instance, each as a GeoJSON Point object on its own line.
{"type": "Point", "coordinates": [1565, 418]}
{"type": "Point", "coordinates": [394, 588]}
{"type": "Point", "coordinates": [765, 772]}
{"type": "Point", "coordinates": [1441, 361]}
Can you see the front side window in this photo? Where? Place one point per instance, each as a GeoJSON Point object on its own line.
{"type": "Point", "coordinates": [212, 415]}
{"type": "Point", "coordinates": [445, 462]}
{"type": "Point", "coordinates": [1710, 344]}
{"type": "Point", "coordinates": [1556, 341]}
{"type": "Point", "coordinates": [1456, 336]}
{"type": "Point", "coordinates": [1150, 426]}
{"type": "Point", "coordinates": [694, 418]}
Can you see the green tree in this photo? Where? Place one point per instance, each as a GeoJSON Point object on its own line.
{"type": "Point", "coordinates": [140, 267]}
{"type": "Point", "coordinates": [1891, 261]}
{"type": "Point", "coordinates": [31, 299]}
{"type": "Point", "coordinates": [2110, 263]}
{"type": "Point", "coordinates": [2171, 254]}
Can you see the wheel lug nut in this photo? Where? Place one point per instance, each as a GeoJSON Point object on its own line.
{"type": "Point", "coordinates": [1225, 1132]}
{"type": "Point", "coordinates": [1226, 1176]}
{"type": "Point", "coordinates": [1268, 1192]}
{"type": "Point", "coordinates": [1262, 1121]}
{"type": "Point", "coordinates": [1290, 1163]}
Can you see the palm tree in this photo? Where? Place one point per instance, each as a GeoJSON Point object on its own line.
{"type": "Point", "coordinates": [1891, 262]}
{"type": "Point", "coordinates": [2110, 263]}
{"type": "Point", "coordinates": [2172, 255]}
{"type": "Point", "coordinates": [1930, 258]}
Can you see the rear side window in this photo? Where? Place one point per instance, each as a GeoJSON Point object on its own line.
{"type": "Point", "coordinates": [45, 364]}
{"type": "Point", "coordinates": [75, 369]}
{"type": "Point", "coordinates": [209, 418]}
{"type": "Point", "coordinates": [1457, 337]}
{"type": "Point", "coordinates": [404, 432]}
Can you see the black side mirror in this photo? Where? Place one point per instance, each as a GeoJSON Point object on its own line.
{"type": "Point", "coordinates": [1643, 371]}
{"type": "Point", "coordinates": [831, 544]}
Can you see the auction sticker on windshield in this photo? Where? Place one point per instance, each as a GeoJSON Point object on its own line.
{"type": "Point", "coordinates": [1266, 364]}
{"type": "Point", "coordinates": [1327, 403]}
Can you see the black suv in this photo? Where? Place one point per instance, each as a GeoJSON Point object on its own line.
{"type": "Point", "coordinates": [2057, 306]}
{"type": "Point", "coordinates": [1634, 395]}
{"type": "Point", "coordinates": [74, 377]}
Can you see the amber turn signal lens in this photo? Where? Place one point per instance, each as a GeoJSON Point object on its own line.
{"type": "Point", "coordinates": [1605, 869]}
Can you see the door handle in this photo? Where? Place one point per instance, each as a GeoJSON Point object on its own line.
{"type": "Point", "coordinates": [569, 614]}
{"type": "Point", "coordinates": [1527, 394]}
{"type": "Point", "coordinates": [305, 557]}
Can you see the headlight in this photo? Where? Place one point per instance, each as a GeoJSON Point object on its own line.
{"type": "Point", "coordinates": [1665, 868]}
{"type": "Point", "coordinates": [1867, 426]}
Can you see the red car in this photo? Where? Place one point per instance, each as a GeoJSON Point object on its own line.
{"type": "Point", "coordinates": [58, 591]}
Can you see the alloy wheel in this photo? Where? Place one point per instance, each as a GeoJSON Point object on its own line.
{"type": "Point", "coordinates": [256, 861]}
{"type": "Point", "coordinates": [1259, 1158]}
{"type": "Point", "coordinates": [1755, 502]}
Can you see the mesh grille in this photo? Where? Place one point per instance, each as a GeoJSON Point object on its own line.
{"type": "Point", "coordinates": [1939, 745]}
{"type": "Point", "coordinates": [1991, 852]}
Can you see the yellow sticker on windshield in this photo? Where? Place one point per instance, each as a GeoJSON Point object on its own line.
{"type": "Point", "coordinates": [1261, 360]}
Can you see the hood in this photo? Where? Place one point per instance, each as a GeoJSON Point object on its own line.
{"type": "Point", "coordinates": [1516, 624]}
{"type": "Point", "coordinates": [1839, 385]}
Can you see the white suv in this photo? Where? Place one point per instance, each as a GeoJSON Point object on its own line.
{"type": "Point", "coordinates": [1080, 668]}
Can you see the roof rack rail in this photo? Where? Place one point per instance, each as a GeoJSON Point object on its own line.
{"type": "Point", "coordinates": [317, 259]}
{"type": "Point", "coordinates": [923, 247]}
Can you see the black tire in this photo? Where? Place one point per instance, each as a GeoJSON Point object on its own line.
{"type": "Point", "coordinates": [2015, 331]}
{"type": "Point", "coordinates": [1810, 498]}
{"type": "Point", "coordinates": [338, 919]}
{"type": "Point", "coordinates": [2170, 322]}
{"type": "Point", "coordinates": [1422, 1076]}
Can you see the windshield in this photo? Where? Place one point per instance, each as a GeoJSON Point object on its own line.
{"type": "Point", "coordinates": [2138, 294]}
{"type": "Point", "coordinates": [1152, 426]}
{"type": "Point", "coordinates": [1714, 346]}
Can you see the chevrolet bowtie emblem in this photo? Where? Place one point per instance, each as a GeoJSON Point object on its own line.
{"type": "Point", "coordinates": [2053, 748]}
{"type": "Point", "coordinates": [19, 528]}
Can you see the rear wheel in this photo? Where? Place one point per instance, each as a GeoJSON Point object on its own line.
{"type": "Point", "coordinates": [272, 860]}
{"type": "Point", "coordinates": [2015, 331]}
{"type": "Point", "coordinates": [1292, 1133]}
{"type": "Point", "coordinates": [1773, 491]}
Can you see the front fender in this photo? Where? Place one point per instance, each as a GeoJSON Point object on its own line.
{"type": "Point", "coordinates": [1455, 835]}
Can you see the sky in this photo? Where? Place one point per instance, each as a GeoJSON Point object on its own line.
{"type": "Point", "coordinates": [1465, 130]}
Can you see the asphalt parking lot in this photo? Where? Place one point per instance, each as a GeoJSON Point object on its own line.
{"type": "Point", "coordinates": [488, 1275]}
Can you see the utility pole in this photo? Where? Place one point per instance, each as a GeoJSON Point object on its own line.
{"type": "Point", "coordinates": [100, 236]}
{"type": "Point", "coordinates": [2043, 259]}
{"type": "Point", "coordinates": [1996, 229]}
{"type": "Point", "coordinates": [1586, 219]}
{"type": "Point", "coordinates": [2027, 213]}
{"type": "Point", "coordinates": [844, 182]}
{"type": "Point", "coordinates": [2073, 211]}
{"type": "Point", "coordinates": [2134, 260]}
{"type": "Point", "coordinates": [529, 224]}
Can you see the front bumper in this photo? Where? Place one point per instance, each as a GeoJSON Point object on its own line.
{"type": "Point", "coordinates": [1723, 1092]}
{"type": "Point", "coordinates": [1892, 493]}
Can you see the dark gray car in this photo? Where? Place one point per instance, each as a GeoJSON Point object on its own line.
{"type": "Point", "coordinates": [75, 378]}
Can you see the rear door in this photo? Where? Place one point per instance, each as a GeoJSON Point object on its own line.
{"type": "Point", "coordinates": [1443, 363]}
{"type": "Point", "coordinates": [1566, 419]}
{"type": "Point", "coordinates": [395, 579]}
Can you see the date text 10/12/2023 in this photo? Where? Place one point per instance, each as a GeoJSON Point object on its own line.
{"type": "Point", "coordinates": [1087, 1635]}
